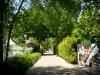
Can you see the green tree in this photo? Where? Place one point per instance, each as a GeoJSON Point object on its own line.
{"type": "Point", "coordinates": [39, 19]}
{"type": "Point", "coordinates": [89, 24]}
{"type": "Point", "coordinates": [7, 19]}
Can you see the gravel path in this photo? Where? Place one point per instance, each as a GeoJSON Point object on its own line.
{"type": "Point", "coordinates": [53, 65]}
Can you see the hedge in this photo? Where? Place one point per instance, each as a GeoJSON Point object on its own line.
{"type": "Point", "coordinates": [20, 63]}
{"type": "Point", "coordinates": [67, 49]}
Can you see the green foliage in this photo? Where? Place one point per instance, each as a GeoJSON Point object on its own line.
{"type": "Point", "coordinates": [41, 49]}
{"type": "Point", "coordinates": [67, 49]}
{"type": "Point", "coordinates": [55, 51]}
{"type": "Point", "coordinates": [20, 63]}
{"type": "Point", "coordinates": [85, 41]}
{"type": "Point", "coordinates": [48, 43]}
{"type": "Point", "coordinates": [77, 32]}
{"type": "Point", "coordinates": [42, 24]}
{"type": "Point", "coordinates": [33, 40]}
{"type": "Point", "coordinates": [38, 47]}
{"type": "Point", "coordinates": [89, 22]}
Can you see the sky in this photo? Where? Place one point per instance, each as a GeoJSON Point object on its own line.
{"type": "Point", "coordinates": [25, 5]}
{"type": "Point", "coordinates": [82, 6]}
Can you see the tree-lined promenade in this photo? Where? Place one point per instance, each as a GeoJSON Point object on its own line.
{"type": "Point", "coordinates": [57, 25]}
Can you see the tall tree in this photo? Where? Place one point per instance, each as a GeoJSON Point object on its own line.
{"type": "Point", "coordinates": [11, 27]}
{"type": "Point", "coordinates": [6, 26]}
{"type": "Point", "coordinates": [1, 32]}
{"type": "Point", "coordinates": [89, 21]}
{"type": "Point", "coordinates": [3, 9]}
{"type": "Point", "coordinates": [60, 22]}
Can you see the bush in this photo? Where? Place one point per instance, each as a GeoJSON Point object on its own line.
{"type": "Point", "coordinates": [20, 63]}
{"type": "Point", "coordinates": [36, 49]}
{"type": "Point", "coordinates": [85, 41]}
{"type": "Point", "coordinates": [55, 49]}
{"type": "Point", "coordinates": [41, 49]}
{"type": "Point", "coordinates": [67, 49]}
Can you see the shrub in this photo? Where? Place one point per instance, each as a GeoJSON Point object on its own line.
{"type": "Point", "coordinates": [85, 41]}
{"type": "Point", "coordinates": [41, 49]}
{"type": "Point", "coordinates": [67, 49]}
{"type": "Point", "coordinates": [55, 49]}
{"type": "Point", "coordinates": [36, 48]}
{"type": "Point", "coordinates": [20, 63]}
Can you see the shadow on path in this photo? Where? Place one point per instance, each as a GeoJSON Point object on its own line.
{"type": "Point", "coordinates": [58, 70]}
{"type": "Point", "coordinates": [48, 54]}
{"type": "Point", "coordinates": [50, 64]}
{"type": "Point", "coordinates": [91, 70]}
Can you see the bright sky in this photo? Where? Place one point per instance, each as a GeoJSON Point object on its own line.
{"type": "Point", "coordinates": [25, 5]}
{"type": "Point", "coordinates": [82, 6]}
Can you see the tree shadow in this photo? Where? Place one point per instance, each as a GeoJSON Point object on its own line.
{"type": "Point", "coordinates": [58, 70]}
{"type": "Point", "coordinates": [48, 54]}
{"type": "Point", "coordinates": [91, 70]}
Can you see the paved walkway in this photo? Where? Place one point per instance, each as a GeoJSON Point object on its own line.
{"type": "Point", "coordinates": [53, 65]}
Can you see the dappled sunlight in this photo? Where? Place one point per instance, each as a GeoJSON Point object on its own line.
{"type": "Point", "coordinates": [48, 53]}
{"type": "Point", "coordinates": [57, 70]}
{"type": "Point", "coordinates": [53, 65]}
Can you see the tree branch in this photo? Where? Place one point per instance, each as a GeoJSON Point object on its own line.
{"type": "Point", "coordinates": [10, 30]}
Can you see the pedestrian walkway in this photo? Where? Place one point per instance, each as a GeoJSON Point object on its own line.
{"type": "Point", "coordinates": [53, 65]}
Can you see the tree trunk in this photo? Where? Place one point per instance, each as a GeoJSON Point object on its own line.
{"type": "Point", "coordinates": [1, 40]}
{"type": "Point", "coordinates": [2, 9]}
{"type": "Point", "coordinates": [10, 30]}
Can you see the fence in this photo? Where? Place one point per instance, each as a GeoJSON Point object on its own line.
{"type": "Point", "coordinates": [15, 49]}
{"type": "Point", "coordinates": [18, 50]}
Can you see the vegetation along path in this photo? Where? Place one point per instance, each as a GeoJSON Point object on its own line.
{"type": "Point", "coordinates": [53, 65]}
